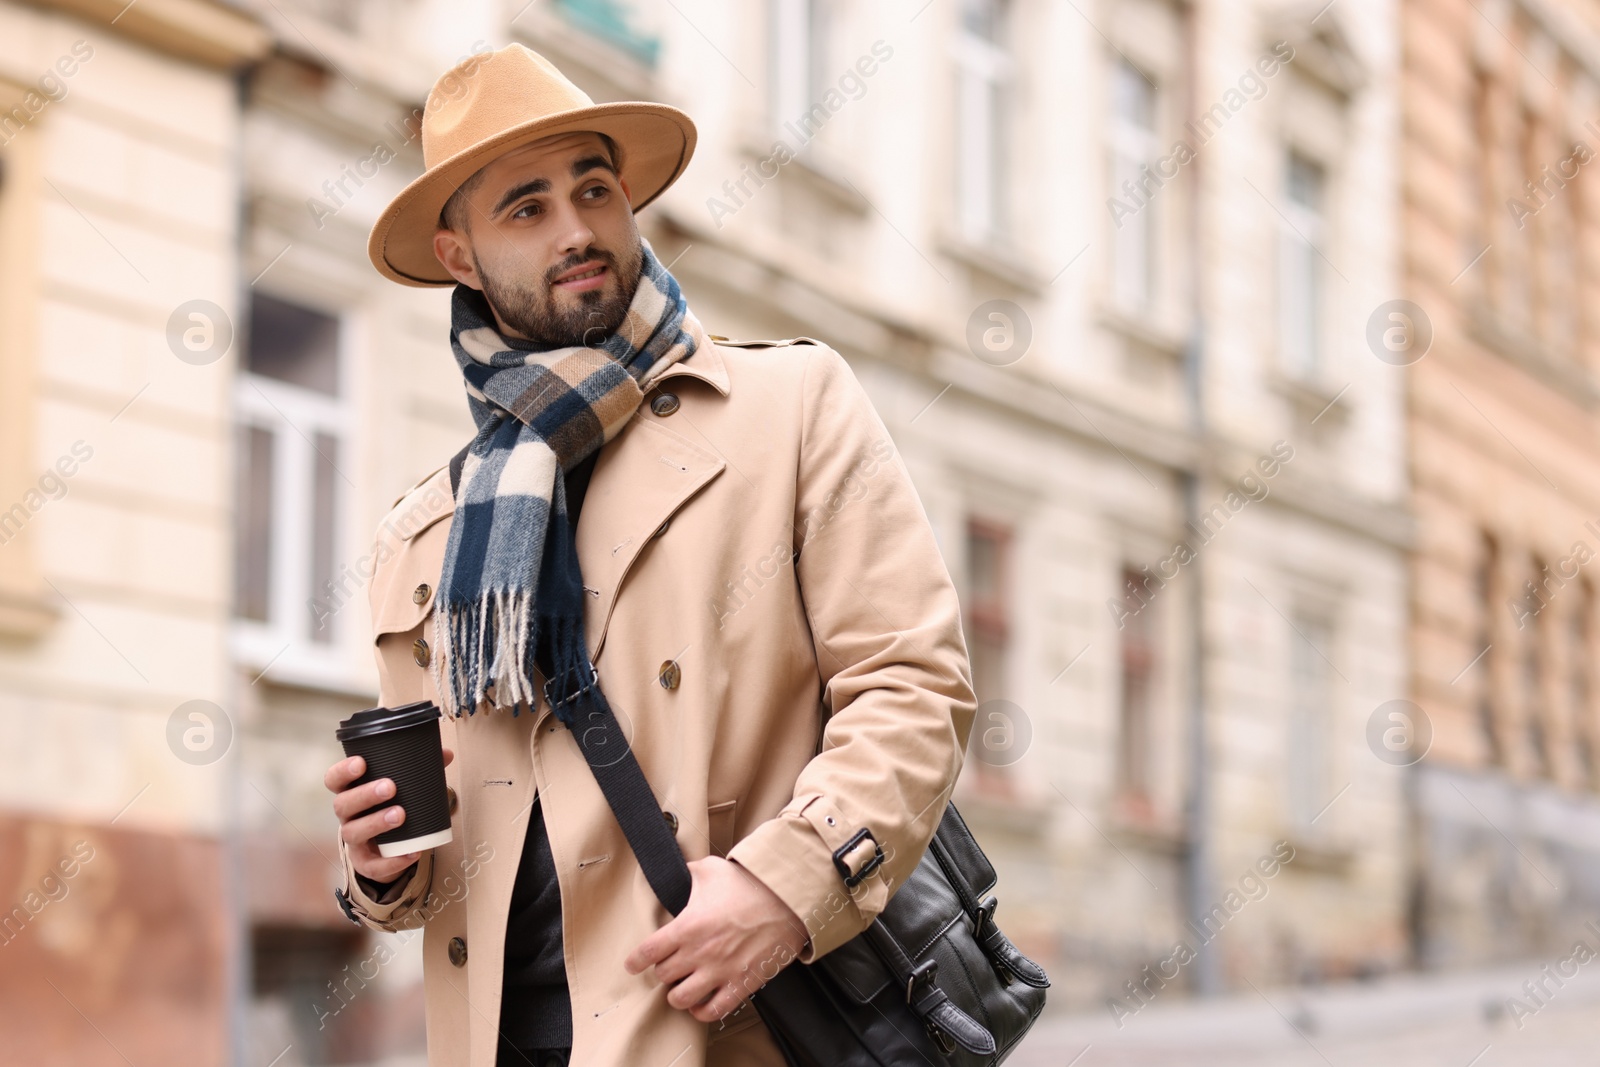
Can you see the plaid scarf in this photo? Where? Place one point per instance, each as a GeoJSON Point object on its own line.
{"type": "Point", "coordinates": [511, 595]}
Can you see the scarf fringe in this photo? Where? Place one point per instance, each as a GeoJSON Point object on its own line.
{"type": "Point", "coordinates": [488, 654]}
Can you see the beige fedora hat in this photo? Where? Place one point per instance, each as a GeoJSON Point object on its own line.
{"type": "Point", "coordinates": [494, 102]}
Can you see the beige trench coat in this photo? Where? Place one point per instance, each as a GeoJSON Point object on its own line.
{"type": "Point", "coordinates": [764, 539]}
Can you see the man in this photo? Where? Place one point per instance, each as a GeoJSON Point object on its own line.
{"type": "Point", "coordinates": [753, 579]}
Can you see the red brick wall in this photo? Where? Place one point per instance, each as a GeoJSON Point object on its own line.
{"type": "Point", "coordinates": [123, 960]}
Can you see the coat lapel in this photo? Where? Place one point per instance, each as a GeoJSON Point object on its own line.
{"type": "Point", "coordinates": [640, 480]}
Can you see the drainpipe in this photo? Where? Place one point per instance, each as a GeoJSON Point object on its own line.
{"type": "Point", "coordinates": [1198, 842]}
{"type": "Point", "coordinates": [235, 888]}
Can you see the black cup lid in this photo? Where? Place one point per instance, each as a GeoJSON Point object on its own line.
{"type": "Point", "coordinates": [383, 720]}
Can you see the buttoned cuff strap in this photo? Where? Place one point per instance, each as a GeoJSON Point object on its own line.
{"type": "Point", "coordinates": [360, 906]}
{"type": "Point", "coordinates": [794, 855]}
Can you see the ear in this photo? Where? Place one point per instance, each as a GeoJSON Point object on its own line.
{"type": "Point", "coordinates": [625, 190]}
{"type": "Point", "coordinates": [453, 252]}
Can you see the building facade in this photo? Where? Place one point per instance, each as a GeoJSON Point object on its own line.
{"type": "Point", "coordinates": [1501, 259]}
{"type": "Point", "coordinates": [118, 213]}
{"type": "Point", "coordinates": [1106, 272]}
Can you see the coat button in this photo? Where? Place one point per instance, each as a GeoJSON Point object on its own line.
{"type": "Point", "coordinates": [670, 674]}
{"type": "Point", "coordinates": [662, 528]}
{"type": "Point", "coordinates": [420, 653]}
{"type": "Point", "coordinates": [421, 593]}
{"type": "Point", "coordinates": [664, 404]}
{"type": "Point", "coordinates": [672, 820]}
{"type": "Point", "coordinates": [455, 801]}
{"type": "Point", "coordinates": [458, 951]}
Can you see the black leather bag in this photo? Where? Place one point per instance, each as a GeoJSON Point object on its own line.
{"type": "Point", "coordinates": [931, 981]}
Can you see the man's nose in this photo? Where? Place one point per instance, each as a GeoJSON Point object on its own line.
{"type": "Point", "coordinates": [574, 234]}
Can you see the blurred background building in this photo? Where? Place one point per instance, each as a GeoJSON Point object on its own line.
{"type": "Point", "coordinates": [1110, 272]}
{"type": "Point", "coordinates": [1500, 232]}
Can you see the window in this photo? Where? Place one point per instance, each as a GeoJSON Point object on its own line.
{"type": "Point", "coordinates": [1533, 713]}
{"type": "Point", "coordinates": [1477, 168]}
{"type": "Point", "coordinates": [1483, 649]}
{"type": "Point", "coordinates": [1517, 278]}
{"type": "Point", "coordinates": [302, 979]}
{"type": "Point", "coordinates": [1533, 672]}
{"type": "Point", "coordinates": [983, 69]}
{"type": "Point", "coordinates": [1301, 282]}
{"type": "Point", "coordinates": [799, 59]}
{"type": "Point", "coordinates": [1310, 718]}
{"type": "Point", "coordinates": [988, 626]}
{"type": "Point", "coordinates": [1134, 734]}
{"type": "Point", "coordinates": [615, 22]}
{"type": "Point", "coordinates": [1133, 147]}
{"type": "Point", "coordinates": [988, 606]}
{"type": "Point", "coordinates": [290, 489]}
{"type": "Point", "coordinates": [1578, 681]}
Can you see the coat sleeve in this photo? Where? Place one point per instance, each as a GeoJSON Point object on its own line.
{"type": "Point", "coordinates": [404, 904]}
{"type": "Point", "coordinates": [404, 899]}
{"type": "Point", "coordinates": [886, 626]}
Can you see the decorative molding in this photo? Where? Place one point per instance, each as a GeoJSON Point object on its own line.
{"type": "Point", "coordinates": [1149, 333]}
{"type": "Point", "coordinates": [1006, 264]}
{"type": "Point", "coordinates": [1565, 376]}
{"type": "Point", "coordinates": [1310, 399]}
{"type": "Point", "coordinates": [1322, 50]}
{"type": "Point", "coordinates": [199, 30]}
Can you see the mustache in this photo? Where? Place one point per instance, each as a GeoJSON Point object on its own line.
{"type": "Point", "coordinates": [577, 260]}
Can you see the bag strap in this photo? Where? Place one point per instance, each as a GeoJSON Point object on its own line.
{"type": "Point", "coordinates": [605, 748]}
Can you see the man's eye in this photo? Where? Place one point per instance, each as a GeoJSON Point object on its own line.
{"type": "Point", "coordinates": [594, 192]}
{"type": "Point", "coordinates": [525, 211]}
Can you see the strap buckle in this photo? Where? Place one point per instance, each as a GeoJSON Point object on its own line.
{"type": "Point", "coordinates": [983, 917]}
{"type": "Point", "coordinates": [923, 974]}
{"type": "Point", "coordinates": [593, 680]}
{"type": "Point", "coordinates": [346, 905]}
{"type": "Point", "coordinates": [853, 880]}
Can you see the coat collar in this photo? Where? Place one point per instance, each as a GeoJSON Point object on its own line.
{"type": "Point", "coordinates": [706, 364]}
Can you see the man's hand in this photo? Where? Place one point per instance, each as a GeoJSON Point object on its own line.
{"type": "Point", "coordinates": [358, 833]}
{"type": "Point", "coordinates": [734, 934]}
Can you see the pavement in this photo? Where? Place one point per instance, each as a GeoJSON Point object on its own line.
{"type": "Point", "coordinates": [1456, 1020]}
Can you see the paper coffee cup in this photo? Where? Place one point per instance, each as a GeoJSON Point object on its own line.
{"type": "Point", "coordinates": [403, 745]}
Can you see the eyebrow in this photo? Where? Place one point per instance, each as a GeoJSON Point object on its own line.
{"type": "Point", "coordinates": [588, 163]}
{"type": "Point", "coordinates": [542, 185]}
{"type": "Point", "coordinates": [517, 192]}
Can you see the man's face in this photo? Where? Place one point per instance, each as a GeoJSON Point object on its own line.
{"type": "Point", "coordinates": [549, 237]}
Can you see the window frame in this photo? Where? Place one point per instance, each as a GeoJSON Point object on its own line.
{"type": "Point", "coordinates": [296, 416]}
{"type": "Point", "coordinates": [984, 71]}
{"type": "Point", "coordinates": [1305, 231]}
{"type": "Point", "coordinates": [1310, 732]}
{"type": "Point", "coordinates": [798, 50]}
{"type": "Point", "coordinates": [1148, 627]}
{"type": "Point", "coordinates": [1128, 147]}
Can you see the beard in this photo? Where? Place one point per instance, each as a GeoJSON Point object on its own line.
{"type": "Point", "coordinates": [534, 310]}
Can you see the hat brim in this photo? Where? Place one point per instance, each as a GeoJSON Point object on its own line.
{"type": "Point", "coordinates": [656, 142]}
